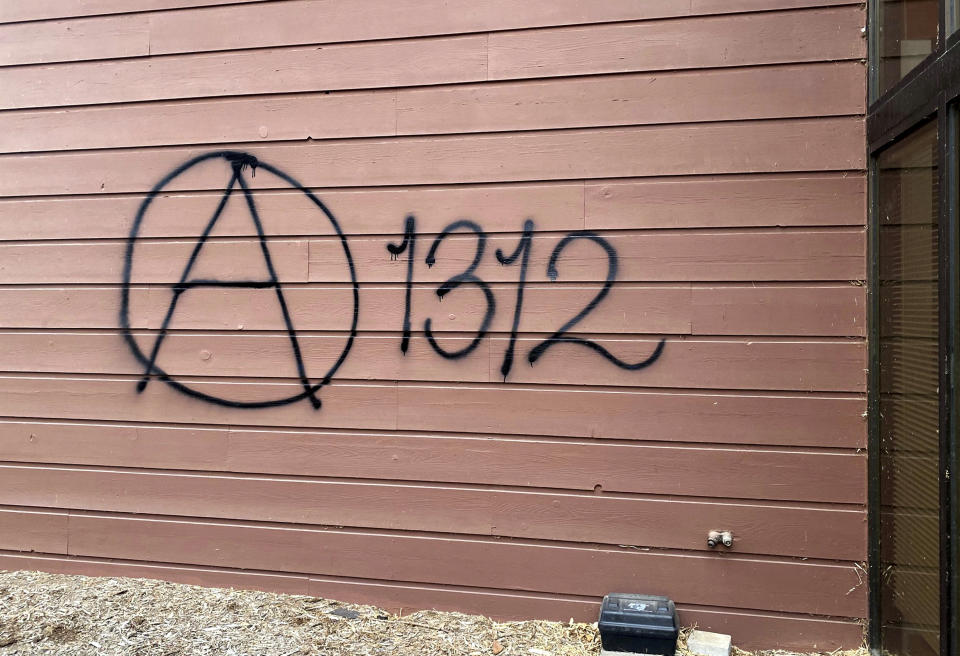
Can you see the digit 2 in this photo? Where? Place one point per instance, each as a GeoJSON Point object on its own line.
{"type": "Point", "coordinates": [561, 336]}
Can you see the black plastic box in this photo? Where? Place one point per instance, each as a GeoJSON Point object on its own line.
{"type": "Point", "coordinates": [643, 624]}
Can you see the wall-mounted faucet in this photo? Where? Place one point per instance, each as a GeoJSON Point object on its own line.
{"type": "Point", "coordinates": [715, 538]}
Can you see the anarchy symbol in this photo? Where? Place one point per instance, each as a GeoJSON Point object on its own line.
{"type": "Point", "coordinates": [238, 163]}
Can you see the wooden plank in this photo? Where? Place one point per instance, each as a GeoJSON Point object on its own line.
{"type": "Point", "coordinates": [743, 419]}
{"type": "Point", "coordinates": [30, 10]}
{"type": "Point", "coordinates": [694, 364]}
{"type": "Point", "coordinates": [189, 30]}
{"type": "Point", "coordinates": [787, 475]}
{"type": "Point", "coordinates": [209, 577]}
{"type": "Point", "coordinates": [322, 115]}
{"type": "Point", "coordinates": [830, 311]}
{"type": "Point", "coordinates": [103, 262]}
{"type": "Point", "coordinates": [792, 586]}
{"type": "Point", "coordinates": [281, 70]}
{"type": "Point", "coordinates": [299, 22]}
{"type": "Point", "coordinates": [739, 40]}
{"type": "Point", "coordinates": [726, 202]}
{"type": "Point", "coordinates": [33, 530]}
{"type": "Point", "coordinates": [60, 308]}
{"type": "Point", "coordinates": [817, 532]}
{"type": "Point", "coordinates": [638, 99]}
{"type": "Point", "coordinates": [759, 629]}
{"type": "Point", "coordinates": [643, 309]}
{"type": "Point", "coordinates": [158, 447]}
{"type": "Point", "coordinates": [737, 473]}
{"type": "Point", "coordinates": [767, 146]}
{"type": "Point", "coordinates": [501, 208]}
{"type": "Point", "coordinates": [62, 40]}
{"type": "Point", "coordinates": [834, 310]}
{"type": "Point", "coordinates": [825, 34]}
{"type": "Point", "coordinates": [707, 202]}
{"type": "Point", "coordinates": [820, 366]}
{"type": "Point", "coordinates": [305, 22]}
{"type": "Point", "coordinates": [117, 399]}
{"type": "Point", "coordinates": [734, 6]}
{"type": "Point", "coordinates": [640, 257]}
{"type": "Point", "coordinates": [649, 416]}
{"type": "Point", "coordinates": [718, 310]}
{"type": "Point", "coordinates": [790, 255]}
{"type": "Point", "coordinates": [255, 356]}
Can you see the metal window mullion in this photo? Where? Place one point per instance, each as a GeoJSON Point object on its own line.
{"type": "Point", "coordinates": [951, 154]}
{"type": "Point", "coordinates": [873, 411]}
{"type": "Point", "coordinates": [945, 304]}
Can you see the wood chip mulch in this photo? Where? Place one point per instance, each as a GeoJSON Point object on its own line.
{"type": "Point", "coordinates": [75, 615]}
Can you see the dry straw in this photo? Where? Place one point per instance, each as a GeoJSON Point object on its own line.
{"type": "Point", "coordinates": [75, 615]}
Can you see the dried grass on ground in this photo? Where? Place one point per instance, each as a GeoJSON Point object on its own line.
{"type": "Point", "coordinates": [74, 615]}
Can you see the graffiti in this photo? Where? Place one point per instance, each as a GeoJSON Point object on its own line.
{"type": "Point", "coordinates": [522, 251]}
{"type": "Point", "coordinates": [237, 184]}
{"type": "Point", "coordinates": [409, 243]}
{"type": "Point", "coordinates": [467, 277]}
{"type": "Point", "coordinates": [561, 334]}
{"type": "Point", "coordinates": [238, 162]}
{"type": "Point", "coordinates": [523, 248]}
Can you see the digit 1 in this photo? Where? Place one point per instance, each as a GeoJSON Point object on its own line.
{"type": "Point", "coordinates": [522, 248]}
{"type": "Point", "coordinates": [409, 242]}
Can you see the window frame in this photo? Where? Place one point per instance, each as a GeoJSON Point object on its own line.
{"type": "Point", "coordinates": [931, 90]}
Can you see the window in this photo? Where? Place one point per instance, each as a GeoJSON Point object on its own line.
{"type": "Point", "coordinates": [907, 35]}
{"type": "Point", "coordinates": [912, 133]}
{"type": "Point", "coordinates": [909, 326]}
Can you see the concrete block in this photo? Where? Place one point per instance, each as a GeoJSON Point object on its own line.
{"type": "Point", "coordinates": [709, 644]}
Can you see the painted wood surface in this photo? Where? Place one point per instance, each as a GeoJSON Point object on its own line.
{"type": "Point", "coordinates": [144, 29]}
{"type": "Point", "coordinates": [797, 200]}
{"type": "Point", "coordinates": [826, 34]}
{"type": "Point", "coordinates": [790, 91]}
{"type": "Point", "coordinates": [677, 309]}
{"type": "Point", "coordinates": [784, 473]}
{"type": "Point", "coordinates": [486, 306]}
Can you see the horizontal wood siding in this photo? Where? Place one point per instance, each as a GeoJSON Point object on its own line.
{"type": "Point", "coordinates": [692, 180]}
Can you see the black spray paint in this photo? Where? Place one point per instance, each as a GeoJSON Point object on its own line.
{"type": "Point", "coordinates": [409, 243]}
{"type": "Point", "coordinates": [560, 336]}
{"type": "Point", "coordinates": [466, 278]}
{"type": "Point", "coordinates": [522, 248]}
{"type": "Point", "coordinates": [522, 253]}
{"type": "Point", "coordinates": [238, 163]}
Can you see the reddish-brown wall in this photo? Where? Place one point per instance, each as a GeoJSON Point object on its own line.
{"type": "Point", "coordinates": [716, 148]}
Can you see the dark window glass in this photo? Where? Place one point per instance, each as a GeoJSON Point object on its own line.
{"type": "Point", "coordinates": [909, 394]}
{"type": "Point", "coordinates": [954, 402]}
{"type": "Point", "coordinates": [908, 33]}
